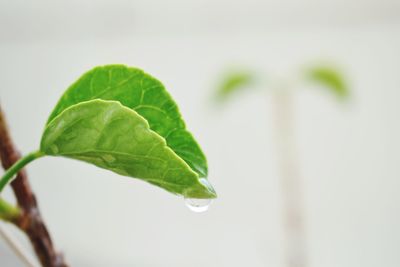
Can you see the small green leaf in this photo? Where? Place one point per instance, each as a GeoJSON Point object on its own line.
{"type": "Point", "coordinates": [330, 78]}
{"type": "Point", "coordinates": [144, 94]}
{"type": "Point", "coordinates": [115, 137]}
{"type": "Point", "coordinates": [233, 82]}
{"type": "Point", "coordinates": [8, 212]}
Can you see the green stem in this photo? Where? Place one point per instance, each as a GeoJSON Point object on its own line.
{"type": "Point", "coordinates": [8, 212]}
{"type": "Point", "coordinates": [14, 169]}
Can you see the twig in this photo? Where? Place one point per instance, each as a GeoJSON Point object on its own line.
{"type": "Point", "coordinates": [17, 248]}
{"type": "Point", "coordinates": [30, 221]}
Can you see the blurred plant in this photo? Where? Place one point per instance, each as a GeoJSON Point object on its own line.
{"type": "Point", "coordinates": [235, 81]}
{"type": "Point", "coordinates": [117, 118]}
{"type": "Point", "coordinates": [324, 76]}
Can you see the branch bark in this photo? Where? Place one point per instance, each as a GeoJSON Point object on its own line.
{"type": "Point", "coordinates": [30, 221]}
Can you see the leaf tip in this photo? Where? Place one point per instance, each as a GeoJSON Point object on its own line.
{"type": "Point", "coordinates": [201, 190]}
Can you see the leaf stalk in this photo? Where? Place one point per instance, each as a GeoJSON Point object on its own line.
{"type": "Point", "coordinates": [17, 166]}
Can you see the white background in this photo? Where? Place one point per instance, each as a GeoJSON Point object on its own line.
{"type": "Point", "coordinates": [349, 151]}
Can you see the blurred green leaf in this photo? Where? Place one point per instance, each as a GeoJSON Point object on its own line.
{"type": "Point", "coordinates": [329, 78]}
{"type": "Point", "coordinates": [233, 82]}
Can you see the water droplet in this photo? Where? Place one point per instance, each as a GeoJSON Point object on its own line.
{"type": "Point", "coordinates": [198, 204]}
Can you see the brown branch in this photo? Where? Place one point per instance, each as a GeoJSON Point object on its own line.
{"type": "Point", "coordinates": [30, 221]}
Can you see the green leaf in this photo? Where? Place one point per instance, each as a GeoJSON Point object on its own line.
{"type": "Point", "coordinates": [330, 78]}
{"type": "Point", "coordinates": [144, 94]}
{"type": "Point", "coordinates": [122, 119]}
{"type": "Point", "coordinates": [115, 137]}
{"type": "Point", "coordinates": [8, 212]}
{"type": "Point", "coordinates": [233, 82]}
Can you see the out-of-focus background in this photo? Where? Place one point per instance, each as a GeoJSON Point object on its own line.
{"type": "Point", "coordinates": [349, 152]}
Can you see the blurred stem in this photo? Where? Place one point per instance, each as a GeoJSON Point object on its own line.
{"type": "Point", "coordinates": [17, 248]}
{"type": "Point", "coordinates": [291, 184]}
{"type": "Point", "coordinates": [14, 169]}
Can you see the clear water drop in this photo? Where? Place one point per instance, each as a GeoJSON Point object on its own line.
{"type": "Point", "coordinates": [198, 204]}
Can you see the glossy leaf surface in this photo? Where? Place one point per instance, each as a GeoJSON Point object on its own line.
{"type": "Point", "coordinates": [144, 94]}
{"type": "Point", "coordinates": [114, 137]}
